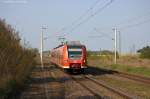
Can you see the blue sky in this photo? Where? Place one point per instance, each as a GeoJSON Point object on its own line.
{"type": "Point", "coordinates": [131, 17]}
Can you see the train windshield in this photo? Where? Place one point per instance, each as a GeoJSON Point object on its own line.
{"type": "Point", "coordinates": [75, 51]}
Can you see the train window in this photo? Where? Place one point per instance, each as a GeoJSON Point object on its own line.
{"type": "Point", "coordinates": [75, 52]}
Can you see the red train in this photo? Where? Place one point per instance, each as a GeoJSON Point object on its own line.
{"type": "Point", "coordinates": [70, 56]}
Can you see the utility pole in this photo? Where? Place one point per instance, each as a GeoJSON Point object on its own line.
{"type": "Point", "coordinates": [115, 45]}
{"type": "Point", "coordinates": [42, 65]}
{"type": "Point", "coordinates": [119, 43]}
{"type": "Point", "coordinates": [42, 46]}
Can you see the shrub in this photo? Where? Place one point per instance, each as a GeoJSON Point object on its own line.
{"type": "Point", "coordinates": [16, 61]}
{"type": "Point", "coordinates": [145, 52]}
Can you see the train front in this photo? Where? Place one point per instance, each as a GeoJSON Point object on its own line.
{"type": "Point", "coordinates": [77, 57]}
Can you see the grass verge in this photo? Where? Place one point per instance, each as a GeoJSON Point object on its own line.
{"type": "Point", "coordinates": [143, 71]}
{"type": "Point", "coordinates": [107, 62]}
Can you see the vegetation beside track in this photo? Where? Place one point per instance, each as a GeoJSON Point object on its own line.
{"type": "Point", "coordinates": [129, 64]}
{"type": "Point", "coordinates": [144, 71]}
{"type": "Point", "coordinates": [16, 62]}
{"type": "Point", "coordinates": [132, 87]}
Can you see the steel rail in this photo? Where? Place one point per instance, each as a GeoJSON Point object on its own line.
{"type": "Point", "coordinates": [91, 91]}
{"type": "Point", "coordinates": [117, 91]}
{"type": "Point", "coordinates": [134, 77]}
{"type": "Point", "coordinates": [138, 78]}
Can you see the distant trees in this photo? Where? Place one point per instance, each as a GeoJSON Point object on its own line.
{"type": "Point", "coordinates": [144, 52]}
{"type": "Point", "coordinates": [103, 52]}
{"type": "Point", "coordinates": [107, 52]}
{"type": "Point", "coordinates": [16, 61]}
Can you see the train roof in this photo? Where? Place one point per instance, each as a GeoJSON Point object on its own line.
{"type": "Point", "coordinates": [70, 43]}
{"type": "Point", "coordinates": [73, 43]}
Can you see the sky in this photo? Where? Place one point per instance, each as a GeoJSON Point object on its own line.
{"type": "Point", "coordinates": [89, 21]}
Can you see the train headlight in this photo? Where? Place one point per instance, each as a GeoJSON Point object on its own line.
{"type": "Point", "coordinates": [84, 61]}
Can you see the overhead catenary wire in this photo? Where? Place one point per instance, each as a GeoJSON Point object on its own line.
{"type": "Point", "coordinates": [97, 36]}
{"type": "Point", "coordinates": [141, 22]}
{"type": "Point", "coordinates": [134, 25]}
{"type": "Point", "coordinates": [62, 30]}
{"type": "Point", "coordinates": [127, 23]}
{"type": "Point", "coordinates": [92, 15]}
{"type": "Point", "coordinates": [80, 17]}
{"type": "Point", "coordinates": [88, 17]}
{"type": "Point", "coordinates": [86, 12]}
{"type": "Point", "coordinates": [104, 34]}
{"type": "Point", "coordinates": [81, 20]}
{"type": "Point", "coordinates": [134, 19]}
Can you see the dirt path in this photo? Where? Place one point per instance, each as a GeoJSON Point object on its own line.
{"type": "Point", "coordinates": [43, 86]}
{"type": "Point", "coordinates": [54, 84]}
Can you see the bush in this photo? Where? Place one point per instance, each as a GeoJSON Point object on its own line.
{"type": "Point", "coordinates": [145, 52]}
{"type": "Point", "coordinates": [16, 61]}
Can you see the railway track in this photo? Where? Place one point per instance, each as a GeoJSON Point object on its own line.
{"type": "Point", "coordinates": [65, 77]}
{"type": "Point", "coordinates": [103, 84]}
{"type": "Point", "coordinates": [91, 91]}
{"type": "Point", "coordinates": [137, 78]}
{"type": "Point", "coordinates": [114, 90]}
{"type": "Point", "coordinates": [81, 80]}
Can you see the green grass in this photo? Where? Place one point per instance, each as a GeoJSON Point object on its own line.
{"type": "Point", "coordinates": [102, 62]}
{"type": "Point", "coordinates": [143, 71]}
{"type": "Point", "coordinates": [129, 86]}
